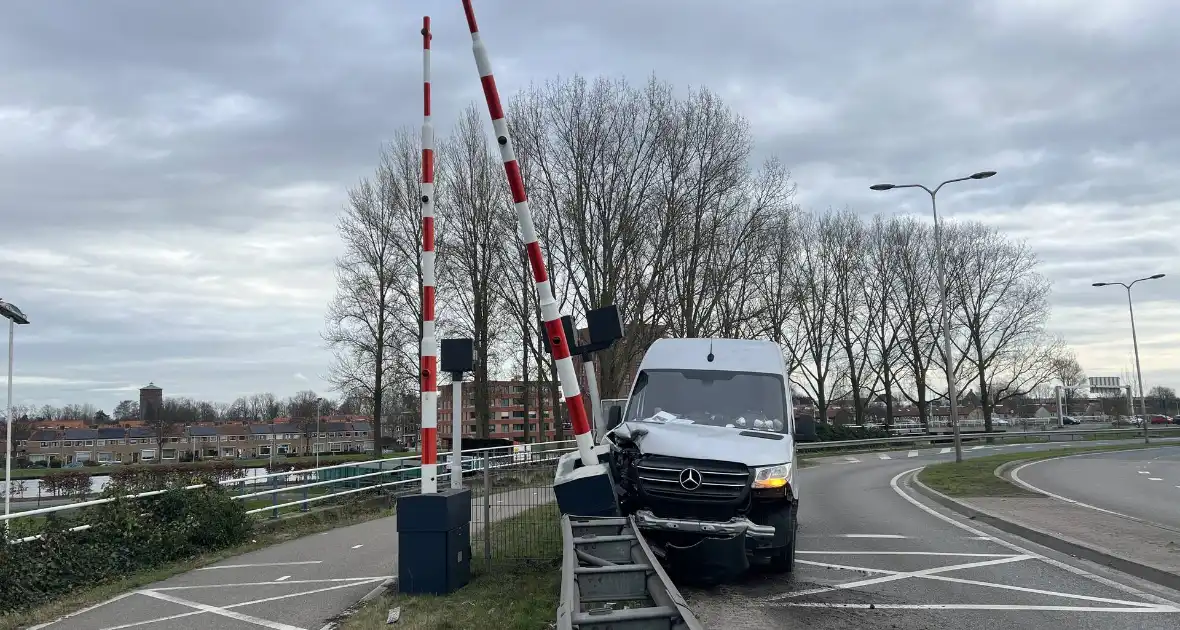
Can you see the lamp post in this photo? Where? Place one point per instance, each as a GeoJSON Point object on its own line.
{"type": "Point", "coordinates": [1135, 343]}
{"type": "Point", "coordinates": [14, 317]}
{"type": "Point", "coordinates": [952, 391]}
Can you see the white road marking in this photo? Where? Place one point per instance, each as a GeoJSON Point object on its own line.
{"type": "Point", "coordinates": [980, 537]}
{"type": "Point", "coordinates": [274, 625]}
{"type": "Point", "coordinates": [1154, 479]}
{"type": "Point", "coordinates": [944, 450]}
{"type": "Point", "coordinates": [1152, 609]}
{"type": "Point", "coordinates": [357, 580]}
{"type": "Point", "coordinates": [357, 546]}
{"type": "Point", "coordinates": [872, 536]}
{"type": "Point", "coordinates": [884, 456]}
{"type": "Point", "coordinates": [283, 579]}
{"type": "Point", "coordinates": [850, 459]}
{"type": "Point", "coordinates": [259, 564]}
{"type": "Point", "coordinates": [912, 454]}
{"type": "Point", "coordinates": [1028, 486]}
{"type": "Point", "coordinates": [909, 553]}
{"type": "Point", "coordinates": [84, 610]}
{"type": "Point", "coordinates": [1009, 587]}
{"type": "Point", "coordinates": [249, 603]}
{"type": "Point", "coordinates": [1014, 547]}
{"type": "Point", "coordinates": [1143, 472]}
{"type": "Point", "coordinates": [899, 576]}
{"type": "Point", "coordinates": [976, 448]}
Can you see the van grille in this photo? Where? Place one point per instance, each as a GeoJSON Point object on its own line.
{"type": "Point", "coordinates": [720, 482]}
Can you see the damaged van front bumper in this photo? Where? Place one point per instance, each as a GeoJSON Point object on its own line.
{"type": "Point", "coordinates": [737, 526]}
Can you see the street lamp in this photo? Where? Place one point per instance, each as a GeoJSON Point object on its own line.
{"type": "Point", "coordinates": [14, 317]}
{"type": "Point", "coordinates": [951, 387]}
{"type": "Point", "coordinates": [1135, 343]}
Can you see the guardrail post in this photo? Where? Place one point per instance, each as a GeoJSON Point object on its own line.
{"type": "Point", "coordinates": [274, 496]}
{"type": "Point", "coordinates": [304, 507]}
{"type": "Point", "coordinates": [487, 507]}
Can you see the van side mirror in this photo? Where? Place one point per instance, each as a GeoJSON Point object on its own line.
{"type": "Point", "coordinates": [614, 418]}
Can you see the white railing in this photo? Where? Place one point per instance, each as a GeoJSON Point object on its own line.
{"type": "Point", "coordinates": [516, 454]}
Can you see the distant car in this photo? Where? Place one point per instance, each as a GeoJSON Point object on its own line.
{"type": "Point", "coordinates": [1000, 422]}
{"type": "Point", "coordinates": [1158, 419]}
{"type": "Point", "coordinates": [1070, 420]}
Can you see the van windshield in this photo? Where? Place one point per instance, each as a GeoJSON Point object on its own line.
{"type": "Point", "coordinates": [739, 400]}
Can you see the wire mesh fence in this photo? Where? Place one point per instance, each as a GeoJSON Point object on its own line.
{"type": "Point", "coordinates": [514, 513]}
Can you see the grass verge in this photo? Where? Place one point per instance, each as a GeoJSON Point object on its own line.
{"type": "Point", "coordinates": [266, 533]}
{"type": "Point", "coordinates": [976, 477]}
{"type": "Point", "coordinates": [517, 591]}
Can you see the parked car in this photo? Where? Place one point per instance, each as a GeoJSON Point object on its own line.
{"type": "Point", "coordinates": [1160, 419]}
{"type": "Point", "coordinates": [1070, 420]}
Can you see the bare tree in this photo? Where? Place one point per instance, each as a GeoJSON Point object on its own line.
{"type": "Point", "coordinates": [373, 325]}
{"type": "Point", "coordinates": [1067, 372]}
{"type": "Point", "coordinates": [475, 214]}
{"type": "Point", "coordinates": [1002, 304]}
{"type": "Point", "coordinates": [885, 330]}
{"type": "Point", "coordinates": [913, 300]}
{"type": "Point", "coordinates": [811, 338]}
{"type": "Point", "coordinates": [304, 409]}
{"type": "Point", "coordinates": [854, 319]}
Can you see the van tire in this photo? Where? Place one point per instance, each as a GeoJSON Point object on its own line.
{"type": "Point", "coordinates": [783, 558]}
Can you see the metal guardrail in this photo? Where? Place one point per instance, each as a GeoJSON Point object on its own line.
{"type": "Point", "coordinates": [611, 580]}
{"type": "Point", "coordinates": [491, 457]}
{"type": "Point", "coordinates": [971, 437]}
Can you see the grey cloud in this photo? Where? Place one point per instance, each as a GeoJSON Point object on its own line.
{"type": "Point", "coordinates": [204, 127]}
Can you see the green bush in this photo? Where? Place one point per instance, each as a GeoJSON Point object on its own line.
{"type": "Point", "coordinates": [125, 536]}
{"type": "Point", "coordinates": [826, 433]}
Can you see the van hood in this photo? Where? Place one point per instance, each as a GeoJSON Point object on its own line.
{"type": "Point", "coordinates": [699, 441]}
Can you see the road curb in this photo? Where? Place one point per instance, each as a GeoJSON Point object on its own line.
{"type": "Point", "coordinates": [1052, 540]}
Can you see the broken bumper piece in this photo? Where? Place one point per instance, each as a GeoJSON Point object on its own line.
{"type": "Point", "coordinates": [734, 527]}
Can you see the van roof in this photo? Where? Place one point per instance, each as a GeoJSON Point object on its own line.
{"type": "Point", "coordinates": [733, 355]}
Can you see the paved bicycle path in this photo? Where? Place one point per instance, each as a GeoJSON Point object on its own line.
{"type": "Point", "coordinates": [296, 585]}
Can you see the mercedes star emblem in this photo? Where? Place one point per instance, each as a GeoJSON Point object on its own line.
{"type": "Point", "coordinates": [690, 479]}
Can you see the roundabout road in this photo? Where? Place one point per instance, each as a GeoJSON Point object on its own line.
{"type": "Point", "coordinates": [872, 553]}
{"type": "Point", "coordinates": [1144, 484]}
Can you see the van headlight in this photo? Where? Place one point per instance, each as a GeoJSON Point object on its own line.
{"type": "Point", "coordinates": [776, 476]}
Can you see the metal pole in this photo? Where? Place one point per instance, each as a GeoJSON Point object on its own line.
{"type": "Point", "coordinates": [952, 388]}
{"type": "Point", "coordinates": [429, 346]}
{"type": "Point", "coordinates": [456, 431]}
{"type": "Point", "coordinates": [1060, 413]}
{"type": "Point", "coordinates": [550, 313]}
{"type": "Point", "coordinates": [8, 433]}
{"type": "Point", "coordinates": [1138, 370]}
{"type": "Point", "coordinates": [595, 396]}
{"type": "Point", "coordinates": [316, 443]}
{"type": "Point", "coordinates": [487, 506]}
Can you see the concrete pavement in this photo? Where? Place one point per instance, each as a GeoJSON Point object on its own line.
{"type": "Point", "coordinates": [874, 553]}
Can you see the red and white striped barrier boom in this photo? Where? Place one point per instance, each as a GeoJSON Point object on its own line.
{"type": "Point", "coordinates": [429, 344]}
{"type": "Point", "coordinates": [558, 343]}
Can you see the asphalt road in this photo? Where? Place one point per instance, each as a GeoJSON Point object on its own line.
{"type": "Point", "coordinates": [1144, 485]}
{"type": "Point", "coordinates": [872, 553]}
{"type": "Point", "coordinates": [863, 543]}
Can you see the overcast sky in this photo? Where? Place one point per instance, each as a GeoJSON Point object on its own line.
{"type": "Point", "coordinates": [170, 171]}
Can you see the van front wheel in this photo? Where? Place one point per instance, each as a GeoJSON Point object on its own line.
{"type": "Point", "coordinates": [783, 558]}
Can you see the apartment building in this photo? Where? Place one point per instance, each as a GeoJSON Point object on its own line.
{"type": "Point", "coordinates": [507, 412]}
{"type": "Point", "coordinates": [141, 444]}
